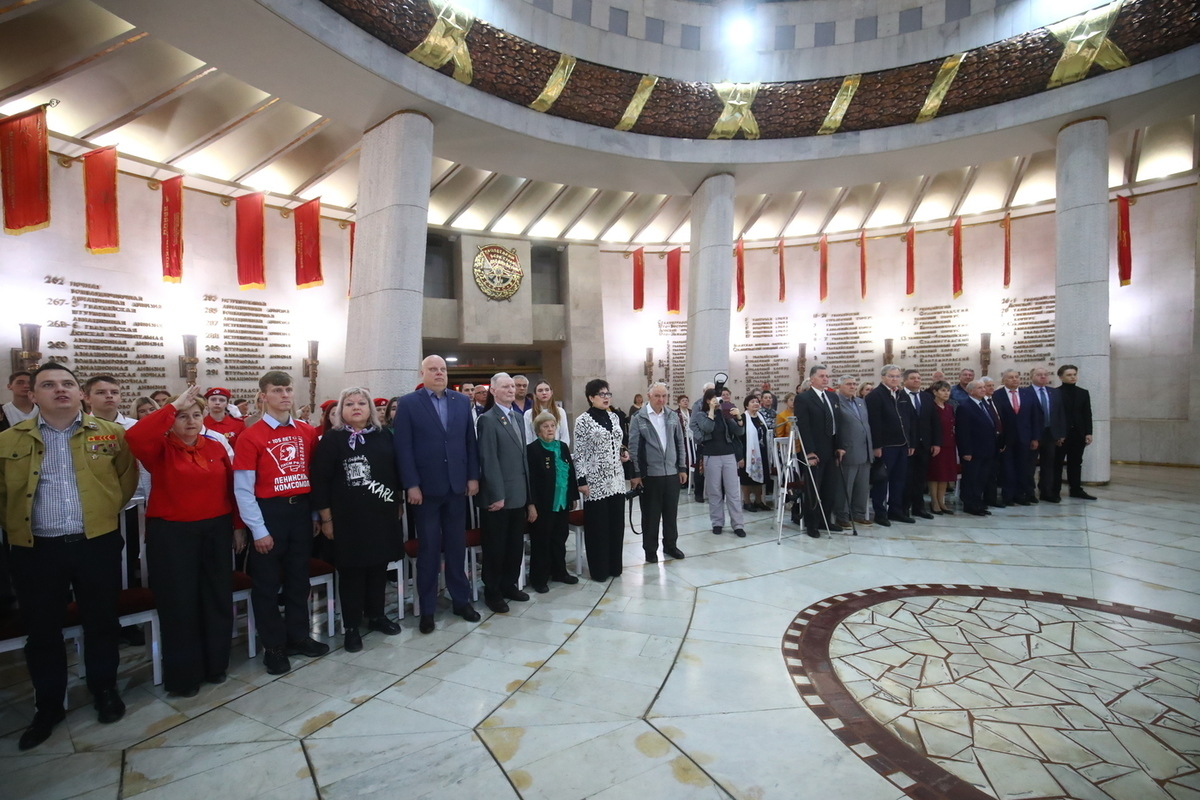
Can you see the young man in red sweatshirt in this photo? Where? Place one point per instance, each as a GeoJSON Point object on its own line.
{"type": "Point", "coordinates": [271, 464]}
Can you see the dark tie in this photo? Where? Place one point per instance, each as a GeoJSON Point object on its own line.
{"type": "Point", "coordinates": [991, 409]}
{"type": "Point", "coordinates": [1045, 403]}
{"type": "Point", "coordinates": [916, 401]}
{"type": "Point", "coordinates": [828, 409]}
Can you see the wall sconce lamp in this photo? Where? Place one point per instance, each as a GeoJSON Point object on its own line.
{"type": "Point", "coordinates": [985, 353]}
{"type": "Point", "coordinates": [189, 362]}
{"type": "Point", "coordinates": [888, 356]}
{"type": "Point", "coordinates": [27, 356]}
{"type": "Point", "coordinates": [310, 371]}
{"type": "Point", "coordinates": [802, 362]}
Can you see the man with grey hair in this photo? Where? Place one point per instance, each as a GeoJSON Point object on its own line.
{"type": "Point", "coordinates": [1052, 435]}
{"type": "Point", "coordinates": [890, 414]}
{"type": "Point", "coordinates": [995, 477]}
{"type": "Point", "coordinates": [856, 441]}
{"type": "Point", "coordinates": [978, 432]}
{"type": "Point", "coordinates": [817, 423]}
{"type": "Point", "coordinates": [657, 453]}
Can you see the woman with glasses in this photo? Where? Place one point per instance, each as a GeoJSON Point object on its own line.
{"type": "Point", "coordinates": [599, 456]}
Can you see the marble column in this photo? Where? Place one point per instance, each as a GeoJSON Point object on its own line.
{"type": "Point", "coordinates": [383, 333]}
{"type": "Point", "coordinates": [1082, 233]}
{"type": "Point", "coordinates": [583, 354]}
{"type": "Point", "coordinates": [710, 282]}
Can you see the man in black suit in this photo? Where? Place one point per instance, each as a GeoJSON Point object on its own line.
{"type": "Point", "coordinates": [1022, 421]}
{"type": "Point", "coordinates": [1077, 407]}
{"type": "Point", "coordinates": [1052, 434]}
{"type": "Point", "coordinates": [977, 429]}
{"type": "Point", "coordinates": [816, 419]}
{"type": "Point", "coordinates": [927, 443]}
{"type": "Point", "coordinates": [994, 480]}
{"type": "Point", "coordinates": [890, 415]}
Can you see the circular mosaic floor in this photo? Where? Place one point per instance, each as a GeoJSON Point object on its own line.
{"type": "Point", "coordinates": [979, 692]}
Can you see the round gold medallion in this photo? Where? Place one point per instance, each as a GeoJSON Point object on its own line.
{"type": "Point", "coordinates": [497, 271]}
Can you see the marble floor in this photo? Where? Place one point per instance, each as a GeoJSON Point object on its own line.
{"type": "Point", "coordinates": [1047, 651]}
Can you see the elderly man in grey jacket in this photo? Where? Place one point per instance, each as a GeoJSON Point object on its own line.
{"type": "Point", "coordinates": [660, 468]}
{"type": "Point", "coordinates": [856, 462]}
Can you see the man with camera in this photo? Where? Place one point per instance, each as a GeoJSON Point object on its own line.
{"type": "Point", "coordinates": [659, 468]}
{"type": "Point", "coordinates": [719, 427]}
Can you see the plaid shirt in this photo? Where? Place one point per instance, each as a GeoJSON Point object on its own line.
{"type": "Point", "coordinates": [57, 509]}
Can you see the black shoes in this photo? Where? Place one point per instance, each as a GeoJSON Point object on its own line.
{"type": "Point", "coordinates": [469, 613]}
{"type": "Point", "coordinates": [40, 728]}
{"type": "Point", "coordinates": [1051, 498]}
{"type": "Point", "coordinates": [192, 692]}
{"type": "Point", "coordinates": [673, 552]}
{"type": "Point", "coordinates": [541, 588]}
{"type": "Point", "coordinates": [923, 514]}
{"type": "Point", "coordinates": [901, 518]}
{"type": "Point", "coordinates": [513, 593]}
{"type": "Point", "coordinates": [497, 604]}
{"type": "Point", "coordinates": [1081, 494]}
{"type": "Point", "coordinates": [881, 519]}
{"type": "Point", "coordinates": [834, 527]}
{"type": "Point", "coordinates": [383, 625]}
{"type": "Point", "coordinates": [275, 661]}
{"type": "Point", "coordinates": [426, 623]}
{"type": "Point", "coordinates": [216, 678]}
{"type": "Point", "coordinates": [109, 707]}
{"type": "Point", "coordinates": [566, 578]}
{"type": "Point", "coordinates": [738, 532]}
{"type": "Point", "coordinates": [352, 640]}
{"type": "Point", "coordinates": [717, 530]}
{"type": "Point", "coordinates": [1022, 502]}
{"type": "Point", "coordinates": [813, 533]}
{"type": "Point", "coordinates": [307, 647]}
{"type": "Point", "coordinates": [651, 558]}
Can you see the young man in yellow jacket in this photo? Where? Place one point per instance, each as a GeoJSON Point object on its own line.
{"type": "Point", "coordinates": [64, 478]}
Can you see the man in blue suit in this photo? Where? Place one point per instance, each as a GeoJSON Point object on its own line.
{"type": "Point", "coordinates": [439, 468]}
{"type": "Point", "coordinates": [978, 437]}
{"type": "Point", "coordinates": [1022, 419]}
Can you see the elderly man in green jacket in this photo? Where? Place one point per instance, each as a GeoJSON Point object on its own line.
{"type": "Point", "coordinates": [64, 478]}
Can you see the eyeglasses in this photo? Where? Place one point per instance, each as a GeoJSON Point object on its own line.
{"type": "Point", "coordinates": [604, 394]}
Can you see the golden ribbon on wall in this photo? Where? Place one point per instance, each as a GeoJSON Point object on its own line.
{"type": "Point", "coordinates": [447, 41]}
{"type": "Point", "coordinates": [556, 83]}
{"type": "Point", "coordinates": [941, 84]}
{"type": "Point", "coordinates": [736, 116]}
{"type": "Point", "coordinates": [833, 120]}
{"type": "Point", "coordinates": [634, 109]}
{"type": "Point", "coordinates": [1086, 42]}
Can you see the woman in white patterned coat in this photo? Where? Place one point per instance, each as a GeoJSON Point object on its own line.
{"type": "Point", "coordinates": [598, 457]}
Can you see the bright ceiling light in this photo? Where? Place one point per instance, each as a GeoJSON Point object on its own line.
{"type": "Point", "coordinates": [740, 32]}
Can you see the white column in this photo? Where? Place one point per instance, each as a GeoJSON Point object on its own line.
{"type": "Point", "coordinates": [383, 333]}
{"type": "Point", "coordinates": [1081, 326]}
{"type": "Point", "coordinates": [710, 281]}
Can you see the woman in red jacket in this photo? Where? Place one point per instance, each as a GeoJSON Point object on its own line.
{"type": "Point", "coordinates": [190, 520]}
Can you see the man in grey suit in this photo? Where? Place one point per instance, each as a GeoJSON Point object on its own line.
{"type": "Point", "coordinates": [504, 495]}
{"type": "Point", "coordinates": [856, 462]}
{"type": "Point", "coordinates": [660, 468]}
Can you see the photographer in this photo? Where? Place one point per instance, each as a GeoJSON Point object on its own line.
{"type": "Point", "coordinates": [718, 426]}
{"type": "Point", "coordinates": [656, 443]}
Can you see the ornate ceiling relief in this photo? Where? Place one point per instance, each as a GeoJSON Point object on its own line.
{"type": "Point", "coordinates": [1116, 35]}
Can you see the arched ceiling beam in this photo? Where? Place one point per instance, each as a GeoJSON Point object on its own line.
{"type": "Point", "coordinates": [327, 170]}
{"type": "Point", "coordinates": [66, 69]}
{"type": "Point", "coordinates": [650, 219]}
{"type": "Point", "coordinates": [918, 196]}
{"type": "Point", "coordinates": [1134, 159]}
{"type": "Point", "coordinates": [122, 118]}
{"type": "Point", "coordinates": [22, 7]}
{"type": "Point", "coordinates": [753, 218]}
{"type": "Point", "coordinates": [880, 191]}
{"type": "Point", "coordinates": [968, 184]}
{"type": "Point", "coordinates": [210, 137]}
{"type": "Point", "coordinates": [1014, 185]}
{"type": "Point", "coordinates": [792, 216]}
{"type": "Point", "coordinates": [282, 151]}
{"type": "Point", "coordinates": [471, 198]}
{"type": "Point", "coordinates": [615, 217]}
{"type": "Point", "coordinates": [545, 210]}
{"type": "Point", "coordinates": [834, 209]}
{"type": "Point", "coordinates": [512, 201]}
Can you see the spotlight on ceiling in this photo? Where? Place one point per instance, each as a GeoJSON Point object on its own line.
{"type": "Point", "coordinates": [739, 32]}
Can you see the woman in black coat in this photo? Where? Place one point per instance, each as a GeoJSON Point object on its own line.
{"type": "Point", "coordinates": [356, 492]}
{"type": "Point", "coordinates": [553, 489]}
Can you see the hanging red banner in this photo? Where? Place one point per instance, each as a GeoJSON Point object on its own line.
{"type": "Point", "coordinates": [25, 164]}
{"type": "Point", "coordinates": [910, 261]}
{"type": "Point", "coordinates": [1124, 249]}
{"type": "Point", "coordinates": [100, 200]}
{"type": "Point", "coordinates": [639, 278]}
{"type": "Point", "coordinates": [673, 273]}
{"type": "Point", "coordinates": [823, 246]}
{"type": "Point", "coordinates": [1007, 225]}
{"type": "Point", "coordinates": [350, 278]}
{"type": "Point", "coordinates": [782, 277]}
{"type": "Point", "coordinates": [956, 274]}
{"type": "Point", "coordinates": [308, 244]}
{"type": "Point", "coordinates": [862, 263]}
{"type": "Point", "coordinates": [172, 229]}
{"type": "Point", "coordinates": [740, 252]}
{"type": "Point", "coordinates": [251, 268]}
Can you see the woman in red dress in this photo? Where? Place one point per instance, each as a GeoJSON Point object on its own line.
{"type": "Point", "coordinates": [943, 468]}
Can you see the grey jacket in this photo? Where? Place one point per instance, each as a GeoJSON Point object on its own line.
{"type": "Point", "coordinates": [854, 431]}
{"type": "Point", "coordinates": [649, 458]}
{"type": "Point", "coordinates": [503, 464]}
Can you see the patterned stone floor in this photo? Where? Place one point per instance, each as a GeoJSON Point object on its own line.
{"type": "Point", "coordinates": [669, 682]}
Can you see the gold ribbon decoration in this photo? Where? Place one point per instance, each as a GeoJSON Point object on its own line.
{"type": "Point", "coordinates": [556, 83]}
{"type": "Point", "coordinates": [1086, 42]}
{"type": "Point", "coordinates": [634, 109]}
{"type": "Point", "coordinates": [736, 116]}
{"type": "Point", "coordinates": [941, 85]}
{"type": "Point", "coordinates": [833, 120]}
{"type": "Point", "coordinates": [447, 41]}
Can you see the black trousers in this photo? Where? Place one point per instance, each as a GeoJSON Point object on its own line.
{"type": "Point", "coordinates": [1019, 463]}
{"type": "Point", "coordinates": [548, 547]}
{"type": "Point", "coordinates": [286, 567]}
{"type": "Point", "coordinates": [914, 483]}
{"type": "Point", "coordinates": [503, 548]}
{"type": "Point", "coordinates": [603, 532]}
{"type": "Point", "coordinates": [1070, 454]}
{"type": "Point", "coordinates": [1047, 459]}
{"type": "Point", "coordinates": [361, 590]}
{"type": "Point", "coordinates": [660, 504]}
{"type": "Point", "coordinates": [192, 580]}
{"type": "Point", "coordinates": [974, 479]}
{"type": "Point", "coordinates": [888, 497]}
{"type": "Point", "coordinates": [43, 575]}
{"type": "Point", "coordinates": [993, 481]}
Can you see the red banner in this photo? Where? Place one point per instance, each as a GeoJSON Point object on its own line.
{"type": "Point", "coordinates": [910, 261]}
{"type": "Point", "coordinates": [1124, 250]}
{"type": "Point", "coordinates": [251, 268]}
{"type": "Point", "coordinates": [673, 259]}
{"type": "Point", "coordinates": [639, 278]}
{"type": "Point", "coordinates": [172, 229]}
{"type": "Point", "coordinates": [100, 200]}
{"type": "Point", "coordinates": [740, 252]}
{"type": "Point", "coordinates": [823, 246]}
{"type": "Point", "coordinates": [308, 244]}
{"type": "Point", "coordinates": [350, 278]}
{"type": "Point", "coordinates": [956, 272]}
{"type": "Point", "coordinates": [25, 163]}
{"type": "Point", "coordinates": [782, 277]}
{"type": "Point", "coordinates": [862, 263]}
{"type": "Point", "coordinates": [1007, 225]}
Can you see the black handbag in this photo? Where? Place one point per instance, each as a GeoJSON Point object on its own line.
{"type": "Point", "coordinates": [879, 472]}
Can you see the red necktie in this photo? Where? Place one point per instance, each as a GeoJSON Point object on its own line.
{"type": "Point", "coordinates": [1016, 402]}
